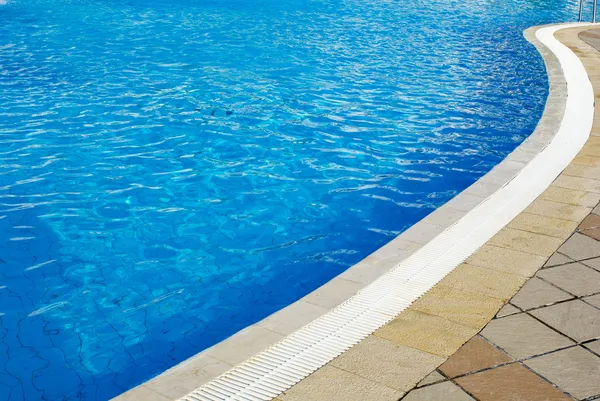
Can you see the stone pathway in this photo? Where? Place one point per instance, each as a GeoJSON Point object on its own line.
{"type": "Point", "coordinates": [543, 345]}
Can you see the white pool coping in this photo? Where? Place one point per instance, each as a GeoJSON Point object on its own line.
{"type": "Point", "coordinates": [304, 336]}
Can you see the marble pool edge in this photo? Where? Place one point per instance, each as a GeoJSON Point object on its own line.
{"type": "Point", "coordinates": [214, 361]}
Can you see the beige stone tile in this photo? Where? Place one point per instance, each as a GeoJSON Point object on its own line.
{"type": "Point", "coordinates": [428, 333]}
{"type": "Point", "coordinates": [332, 384]}
{"type": "Point", "coordinates": [475, 355]}
{"type": "Point", "coordinates": [594, 346]}
{"type": "Point", "coordinates": [385, 362]}
{"type": "Point", "coordinates": [585, 160]}
{"type": "Point", "coordinates": [141, 393]}
{"type": "Point", "coordinates": [510, 383]}
{"type": "Point", "coordinates": [446, 391]}
{"type": "Point", "coordinates": [570, 196]}
{"type": "Point", "coordinates": [575, 318]}
{"type": "Point", "coordinates": [577, 183]}
{"type": "Point", "coordinates": [593, 263]}
{"type": "Point", "coordinates": [333, 293]}
{"type": "Point", "coordinates": [507, 260]}
{"type": "Point", "coordinates": [187, 376]}
{"type": "Point", "coordinates": [544, 225]}
{"type": "Point", "coordinates": [293, 317]}
{"type": "Point", "coordinates": [463, 307]}
{"type": "Point", "coordinates": [537, 293]}
{"type": "Point", "coordinates": [578, 170]}
{"type": "Point", "coordinates": [557, 210]}
{"type": "Point", "coordinates": [575, 278]}
{"type": "Point", "coordinates": [580, 247]}
{"type": "Point", "coordinates": [590, 150]}
{"type": "Point", "coordinates": [524, 241]}
{"type": "Point", "coordinates": [244, 344]}
{"type": "Point", "coordinates": [422, 232]}
{"type": "Point", "coordinates": [433, 377]}
{"type": "Point", "coordinates": [575, 370]}
{"type": "Point", "coordinates": [522, 336]}
{"type": "Point", "coordinates": [594, 300]}
{"type": "Point", "coordinates": [558, 259]}
{"type": "Point", "coordinates": [507, 310]}
{"type": "Point", "coordinates": [488, 282]}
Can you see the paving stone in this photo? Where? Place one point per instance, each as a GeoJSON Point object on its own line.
{"type": "Point", "coordinates": [187, 376]}
{"type": "Point", "coordinates": [488, 282]}
{"type": "Point", "coordinates": [507, 310]}
{"type": "Point", "coordinates": [557, 259]}
{"type": "Point", "coordinates": [522, 336]}
{"type": "Point", "coordinates": [536, 293]}
{"type": "Point", "coordinates": [570, 196]}
{"type": "Point", "coordinates": [585, 160]}
{"type": "Point", "coordinates": [428, 333]}
{"type": "Point", "coordinates": [554, 227]}
{"type": "Point", "coordinates": [575, 318]}
{"type": "Point", "coordinates": [579, 170]}
{"type": "Point", "coordinates": [141, 393]}
{"type": "Point", "coordinates": [475, 355]}
{"type": "Point", "coordinates": [243, 345]}
{"type": "Point", "coordinates": [433, 377]}
{"type": "Point", "coordinates": [593, 263]}
{"type": "Point", "coordinates": [293, 317]}
{"type": "Point", "coordinates": [507, 260]}
{"type": "Point", "coordinates": [575, 370]}
{"type": "Point", "coordinates": [594, 346]}
{"type": "Point", "coordinates": [593, 300]}
{"type": "Point", "coordinates": [580, 247]}
{"type": "Point", "coordinates": [596, 210]}
{"type": "Point", "coordinates": [590, 226]}
{"type": "Point", "coordinates": [524, 241]}
{"type": "Point", "coordinates": [577, 183]}
{"type": "Point", "coordinates": [333, 293]}
{"type": "Point", "coordinates": [446, 391]}
{"type": "Point", "coordinates": [382, 361]}
{"type": "Point", "coordinates": [463, 307]}
{"type": "Point", "coordinates": [332, 384]}
{"type": "Point", "coordinates": [510, 383]}
{"type": "Point", "coordinates": [557, 210]}
{"type": "Point", "coordinates": [575, 278]}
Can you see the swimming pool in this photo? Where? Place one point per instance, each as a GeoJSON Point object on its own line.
{"type": "Point", "coordinates": [171, 172]}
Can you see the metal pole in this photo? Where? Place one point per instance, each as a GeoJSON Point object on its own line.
{"type": "Point", "coordinates": [594, 12]}
{"type": "Point", "coordinates": [581, 10]}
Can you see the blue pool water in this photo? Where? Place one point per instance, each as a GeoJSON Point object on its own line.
{"type": "Point", "coordinates": [172, 171]}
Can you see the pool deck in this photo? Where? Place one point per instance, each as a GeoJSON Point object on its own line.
{"type": "Point", "coordinates": [387, 364]}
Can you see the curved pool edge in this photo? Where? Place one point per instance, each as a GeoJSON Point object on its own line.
{"type": "Point", "coordinates": [371, 293]}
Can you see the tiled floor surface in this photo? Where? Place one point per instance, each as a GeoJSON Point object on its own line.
{"type": "Point", "coordinates": [543, 345]}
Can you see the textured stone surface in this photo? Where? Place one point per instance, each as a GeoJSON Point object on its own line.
{"type": "Point", "coordinates": [466, 308]}
{"type": "Point", "coordinates": [524, 241]}
{"type": "Point", "coordinates": [188, 376]}
{"type": "Point", "coordinates": [577, 183]}
{"type": "Point", "coordinates": [446, 391]}
{"type": "Point", "coordinates": [594, 346]}
{"type": "Point", "coordinates": [558, 210]}
{"type": "Point", "coordinates": [475, 355]}
{"type": "Point", "coordinates": [507, 260]}
{"type": "Point", "coordinates": [507, 310]}
{"type": "Point", "coordinates": [522, 336]}
{"type": "Point", "coordinates": [557, 259]}
{"type": "Point", "coordinates": [570, 196]}
{"type": "Point", "coordinates": [593, 263]}
{"type": "Point", "coordinates": [388, 363]}
{"type": "Point", "coordinates": [536, 293]}
{"type": "Point", "coordinates": [510, 383]}
{"type": "Point", "coordinates": [290, 319]}
{"type": "Point", "coordinates": [575, 318]}
{"type": "Point", "coordinates": [433, 377]}
{"type": "Point", "coordinates": [488, 282]}
{"type": "Point", "coordinates": [428, 333]}
{"type": "Point", "coordinates": [243, 345]}
{"type": "Point", "coordinates": [575, 370]}
{"type": "Point", "coordinates": [544, 225]}
{"type": "Point", "coordinates": [575, 278]}
{"type": "Point", "coordinates": [332, 384]}
{"type": "Point", "coordinates": [580, 247]}
{"type": "Point", "coordinates": [141, 393]}
{"type": "Point", "coordinates": [593, 300]}
{"type": "Point", "coordinates": [333, 293]}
